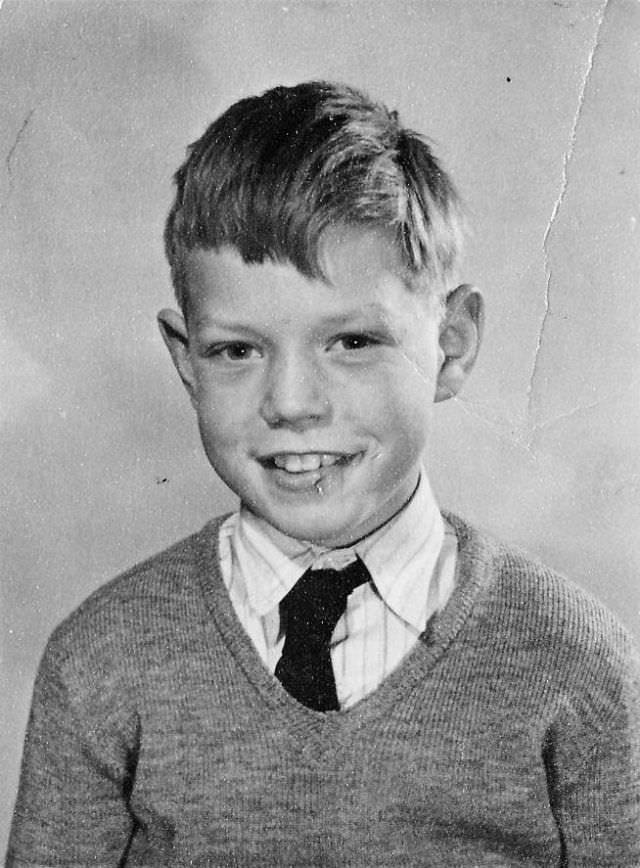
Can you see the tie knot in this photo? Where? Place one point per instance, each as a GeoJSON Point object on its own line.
{"type": "Point", "coordinates": [316, 602]}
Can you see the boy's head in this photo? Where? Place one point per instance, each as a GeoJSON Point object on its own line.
{"type": "Point", "coordinates": [309, 237]}
{"type": "Point", "coordinates": [275, 171]}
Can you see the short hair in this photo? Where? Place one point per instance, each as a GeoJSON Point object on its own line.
{"type": "Point", "coordinates": [274, 171]}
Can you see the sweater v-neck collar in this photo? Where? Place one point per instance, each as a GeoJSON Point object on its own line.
{"type": "Point", "coordinates": [472, 575]}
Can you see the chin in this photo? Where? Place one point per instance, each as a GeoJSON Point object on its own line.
{"type": "Point", "coordinates": [314, 533]}
{"type": "Point", "coordinates": [314, 529]}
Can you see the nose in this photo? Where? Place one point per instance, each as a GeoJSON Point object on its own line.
{"type": "Point", "coordinates": [295, 394]}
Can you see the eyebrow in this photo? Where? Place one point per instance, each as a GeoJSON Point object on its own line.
{"type": "Point", "coordinates": [375, 309]}
{"type": "Point", "coordinates": [206, 321]}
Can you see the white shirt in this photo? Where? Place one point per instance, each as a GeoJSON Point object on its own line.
{"type": "Point", "coordinates": [411, 560]}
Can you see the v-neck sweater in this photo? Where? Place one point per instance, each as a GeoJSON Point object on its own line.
{"type": "Point", "coordinates": [510, 735]}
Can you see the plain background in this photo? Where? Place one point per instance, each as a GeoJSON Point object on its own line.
{"type": "Point", "coordinates": [534, 107]}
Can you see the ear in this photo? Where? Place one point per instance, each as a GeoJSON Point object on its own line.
{"type": "Point", "coordinates": [176, 337]}
{"type": "Point", "coordinates": [460, 337]}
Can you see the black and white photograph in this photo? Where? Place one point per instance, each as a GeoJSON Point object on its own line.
{"type": "Point", "coordinates": [320, 433]}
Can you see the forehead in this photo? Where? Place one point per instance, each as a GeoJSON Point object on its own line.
{"type": "Point", "coordinates": [364, 271]}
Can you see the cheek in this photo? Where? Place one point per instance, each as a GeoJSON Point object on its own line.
{"type": "Point", "coordinates": [405, 398]}
{"type": "Point", "coordinates": [412, 425]}
{"type": "Point", "coordinates": [220, 428]}
{"type": "Point", "coordinates": [222, 410]}
{"type": "Point", "coordinates": [398, 418]}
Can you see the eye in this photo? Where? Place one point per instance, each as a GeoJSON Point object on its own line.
{"type": "Point", "coordinates": [234, 351]}
{"type": "Point", "coordinates": [356, 341]}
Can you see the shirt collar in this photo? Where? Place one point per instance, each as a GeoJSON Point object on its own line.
{"type": "Point", "coordinates": [400, 556]}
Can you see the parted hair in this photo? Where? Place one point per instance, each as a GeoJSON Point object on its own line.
{"type": "Point", "coordinates": [274, 171]}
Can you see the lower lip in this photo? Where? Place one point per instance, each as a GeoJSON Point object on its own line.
{"type": "Point", "coordinates": [312, 481]}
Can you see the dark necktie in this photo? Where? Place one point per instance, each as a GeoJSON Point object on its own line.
{"type": "Point", "coordinates": [310, 612]}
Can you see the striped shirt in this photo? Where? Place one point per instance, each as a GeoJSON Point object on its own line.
{"type": "Point", "coordinates": [411, 560]}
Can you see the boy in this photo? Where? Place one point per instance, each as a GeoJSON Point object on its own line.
{"type": "Point", "coordinates": [337, 674]}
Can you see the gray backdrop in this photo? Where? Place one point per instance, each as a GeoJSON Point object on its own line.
{"type": "Point", "coordinates": [534, 107]}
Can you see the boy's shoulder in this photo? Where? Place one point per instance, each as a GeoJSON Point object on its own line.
{"type": "Point", "coordinates": [162, 590]}
{"type": "Point", "coordinates": [524, 588]}
{"type": "Point", "coordinates": [532, 611]}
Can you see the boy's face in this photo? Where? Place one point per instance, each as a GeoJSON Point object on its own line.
{"type": "Point", "coordinates": [314, 400]}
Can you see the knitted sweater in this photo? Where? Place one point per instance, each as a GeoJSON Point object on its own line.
{"type": "Point", "coordinates": [509, 736]}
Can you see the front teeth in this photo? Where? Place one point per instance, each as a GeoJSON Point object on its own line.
{"type": "Point", "coordinates": [305, 462]}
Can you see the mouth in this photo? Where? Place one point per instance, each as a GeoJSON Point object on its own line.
{"type": "Point", "coordinates": [306, 462]}
{"type": "Point", "coordinates": [297, 471]}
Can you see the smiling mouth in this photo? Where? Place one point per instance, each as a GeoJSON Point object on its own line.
{"type": "Point", "coordinates": [306, 462]}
